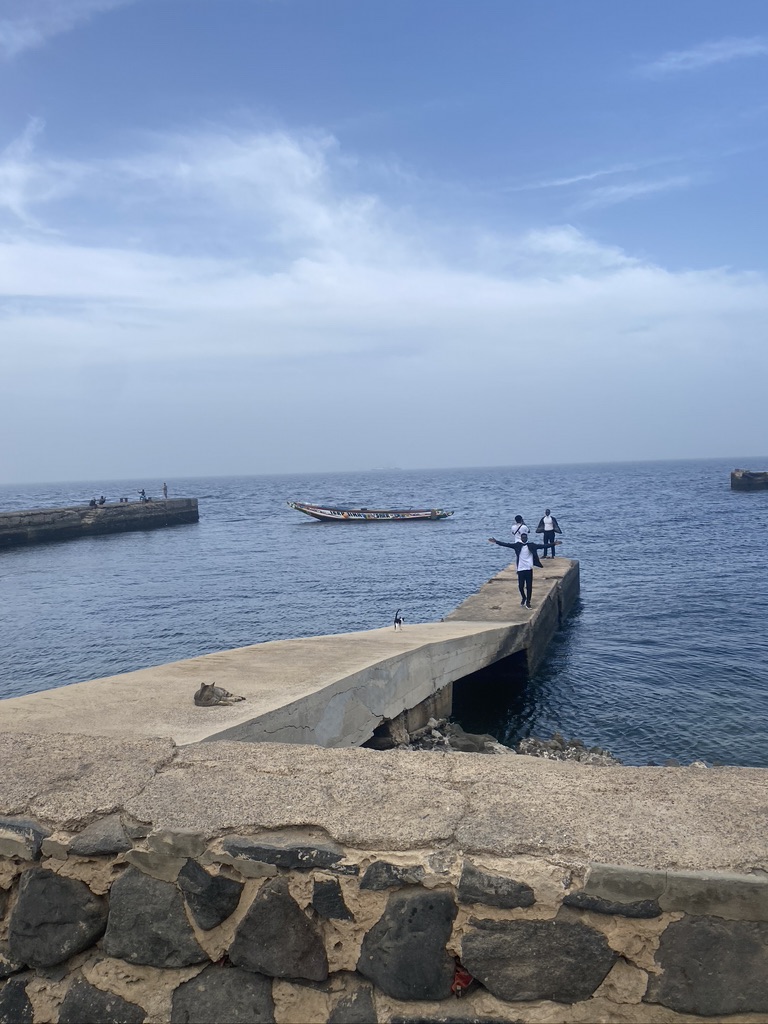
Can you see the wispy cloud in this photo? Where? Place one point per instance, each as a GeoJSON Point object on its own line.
{"type": "Point", "coordinates": [25, 24]}
{"type": "Point", "coordinates": [575, 179]}
{"type": "Point", "coordinates": [610, 195]}
{"type": "Point", "coordinates": [705, 55]}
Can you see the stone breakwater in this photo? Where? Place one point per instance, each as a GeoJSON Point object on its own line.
{"type": "Point", "coordinates": [231, 882]}
{"type": "Point", "coordinates": [40, 526]}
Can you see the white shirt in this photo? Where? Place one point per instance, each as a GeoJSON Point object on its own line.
{"type": "Point", "coordinates": [525, 561]}
{"type": "Point", "coordinates": [548, 524]}
{"type": "Point", "coordinates": [517, 529]}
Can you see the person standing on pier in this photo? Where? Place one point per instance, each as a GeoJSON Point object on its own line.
{"type": "Point", "coordinates": [549, 527]}
{"type": "Point", "coordinates": [165, 490]}
{"type": "Point", "coordinates": [518, 529]}
{"type": "Point", "coordinates": [526, 556]}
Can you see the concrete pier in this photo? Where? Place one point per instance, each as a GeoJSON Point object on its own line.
{"type": "Point", "coordinates": [333, 691]}
{"type": "Point", "coordinates": [43, 525]}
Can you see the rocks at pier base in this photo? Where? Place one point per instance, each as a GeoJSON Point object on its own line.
{"type": "Point", "coordinates": [449, 737]}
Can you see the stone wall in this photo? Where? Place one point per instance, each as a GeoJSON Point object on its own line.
{"type": "Point", "coordinates": [123, 921]}
{"type": "Point", "coordinates": [39, 526]}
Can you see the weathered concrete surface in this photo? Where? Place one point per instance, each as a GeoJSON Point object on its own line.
{"type": "Point", "coordinates": [555, 592]}
{"type": "Point", "coordinates": [43, 525]}
{"type": "Point", "coordinates": [661, 818]}
{"type": "Point", "coordinates": [329, 690]}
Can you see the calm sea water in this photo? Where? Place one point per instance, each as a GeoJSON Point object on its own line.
{"type": "Point", "coordinates": [665, 657]}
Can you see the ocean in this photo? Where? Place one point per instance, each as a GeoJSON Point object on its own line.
{"type": "Point", "coordinates": [664, 657]}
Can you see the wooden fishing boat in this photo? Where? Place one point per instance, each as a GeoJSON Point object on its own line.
{"type": "Point", "coordinates": [341, 514]}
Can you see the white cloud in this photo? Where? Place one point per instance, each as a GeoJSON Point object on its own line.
{"type": "Point", "coordinates": [26, 24]}
{"type": "Point", "coordinates": [227, 253]}
{"type": "Point", "coordinates": [698, 57]}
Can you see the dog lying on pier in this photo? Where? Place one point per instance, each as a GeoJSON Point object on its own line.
{"type": "Point", "coordinates": [209, 695]}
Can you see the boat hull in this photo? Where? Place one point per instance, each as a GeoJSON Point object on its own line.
{"type": "Point", "coordinates": [369, 515]}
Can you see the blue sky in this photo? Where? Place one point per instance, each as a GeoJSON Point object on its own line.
{"type": "Point", "coordinates": [245, 236]}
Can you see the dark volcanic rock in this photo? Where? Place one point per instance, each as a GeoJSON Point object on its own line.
{"type": "Point", "coordinates": [101, 839]}
{"type": "Point", "coordinates": [356, 1005]}
{"type": "Point", "coordinates": [15, 1007]}
{"type": "Point", "coordinates": [30, 833]}
{"type": "Point", "coordinates": [404, 953]}
{"type": "Point", "coordinates": [8, 964]}
{"type": "Point", "coordinates": [526, 960]}
{"type": "Point", "coordinates": [277, 938]}
{"type": "Point", "coordinates": [383, 875]}
{"type": "Point", "coordinates": [476, 886]}
{"type": "Point", "coordinates": [147, 924]}
{"type": "Point", "coordinates": [712, 967]}
{"type": "Point", "coordinates": [224, 994]}
{"type": "Point", "coordinates": [53, 919]}
{"type": "Point", "coordinates": [639, 909]}
{"type": "Point", "coordinates": [211, 899]}
{"type": "Point", "coordinates": [328, 901]}
{"type": "Point", "coordinates": [283, 851]}
{"type": "Point", "coordinates": [84, 1004]}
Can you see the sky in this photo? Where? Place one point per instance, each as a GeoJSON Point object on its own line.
{"type": "Point", "coordinates": [276, 236]}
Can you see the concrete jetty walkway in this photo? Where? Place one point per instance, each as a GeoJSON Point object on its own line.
{"type": "Point", "coordinates": [327, 690]}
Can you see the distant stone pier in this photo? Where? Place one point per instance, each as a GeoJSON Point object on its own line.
{"type": "Point", "coordinates": [748, 480]}
{"type": "Point", "coordinates": [43, 525]}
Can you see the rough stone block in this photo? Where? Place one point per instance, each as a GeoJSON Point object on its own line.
{"type": "Point", "coordinates": [53, 919]}
{"type": "Point", "coordinates": [404, 953]}
{"type": "Point", "coordinates": [328, 901]}
{"type": "Point", "coordinates": [277, 938]}
{"type": "Point", "coordinates": [618, 884]}
{"type": "Point", "coordinates": [8, 964]}
{"type": "Point", "coordinates": [103, 838]}
{"type": "Point", "coordinates": [224, 994]}
{"type": "Point", "coordinates": [158, 865]}
{"type": "Point", "coordinates": [210, 899]}
{"type": "Point", "coordinates": [85, 1004]}
{"type": "Point", "coordinates": [383, 875]}
{"type": "Point", "coordinates": [476, 886]}
{"type": "Point", "coordinates": [356, 1006]}
{"type": "Point", "coordinates": [712, 967]}
{"type": "Point", "coordinates": [177, 842]}
{"type": "Point", "coordinates": [528, 960]}
{"type": "Point", "coordinates": [21, 837]}
{"type": "Point", "coordinates": [717, 894]}
{"type": "Point", "coordinates": [147, 924]}
{"type": "Point", "coordinates": [640, 909]}
{"type": "Point", "coordinates": [287, 851]}
{"type": "Point", "coordinates": [15, 1007]}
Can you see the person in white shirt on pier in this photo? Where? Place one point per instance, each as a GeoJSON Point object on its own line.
{"type": "Point", "coordinates": [549, 527]}
{"type": "Point", "coordinates": [526, 556]}
{"type": "Point", "coordinates": [518, 528]}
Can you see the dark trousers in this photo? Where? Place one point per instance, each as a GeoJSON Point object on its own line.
{"type": "Point", "coordinates": [525, 583]}
{"type": "Point", "coordinates": [549, 541]}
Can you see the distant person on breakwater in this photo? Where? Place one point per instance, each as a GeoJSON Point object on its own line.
{"type": "Point", "coordinates": [518, 529]}
{"type": "Point", "coordinates": [549, 527]}
{"type": "Point", "coordinates": [165, 490]}
{"type": "Point", "coordinates": [92, 503]}
{"type": "Point", "coordinates": [102, 500]}
{"type": "Point", "coordinates": [526, 556]}
{"type": "Point", "coordinates": [142, 495]}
